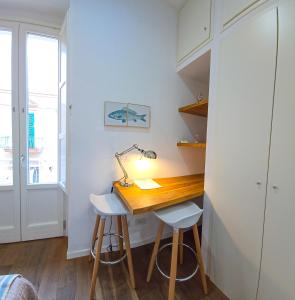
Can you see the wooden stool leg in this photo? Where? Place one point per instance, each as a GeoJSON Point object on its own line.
{"type": "Point", "coordinates": [155, 251]}
{"type": "Point", "coordinates": [180, 246]}
{"type": "Point", "coordinates": [200, 259]}
{"type": "Point", "coordinates": [94, 235]}
{"type": "Point", "coordinates": [173, 269]}
{"type": "Point", "coordinates": [97, 256]}
{"type": "Point", "coordinates": [128, 250]}
{"type": "Point", "coordinates": [119, 232]}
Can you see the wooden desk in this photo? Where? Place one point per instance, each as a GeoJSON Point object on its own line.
{"type": "Point", "coordinates": [174, 190]}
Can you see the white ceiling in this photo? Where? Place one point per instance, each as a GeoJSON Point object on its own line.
{"type": "Point", "coordinates": [54, 9]}
{"type": "Point", "coordinates": [177, 3]}
{"type": "Point", "coordinates": [49, 10]}
{"type": "Point", "coordinates": [57, 7]}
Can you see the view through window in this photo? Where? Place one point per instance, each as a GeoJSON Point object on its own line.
{"type": "Point", "coordinates": [6, 150]}
{"type": "Point", "coordinates": [42, 118]}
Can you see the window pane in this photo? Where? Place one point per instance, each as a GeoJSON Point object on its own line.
{"type": "Point", "coordinates": [42, 119]}
{"type": "Point", "coordinates": [6, 162]}
{"type": "Point", "coordinates": [62, 134]}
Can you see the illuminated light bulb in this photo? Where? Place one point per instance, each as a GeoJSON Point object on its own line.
{"type": "Point", "coordinates": [142, 164]}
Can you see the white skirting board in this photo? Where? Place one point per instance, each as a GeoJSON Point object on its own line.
{"type": "Point", "coordinates": [135, 243]}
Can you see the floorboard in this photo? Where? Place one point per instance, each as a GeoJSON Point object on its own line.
{"type": "Point", "coordinates": [44, 263]}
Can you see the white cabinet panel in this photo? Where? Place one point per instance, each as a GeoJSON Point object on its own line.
{"type": "Point", "coordinates": [233, 8]}
{"type": "Point", "coordinates": [278, 262]}
{"type": "Point", "coordinates": [243, 113]}
{"type": "Point", "coordinates": [193, 26]}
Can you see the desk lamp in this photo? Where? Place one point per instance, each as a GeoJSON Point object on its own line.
{"type": "Point", "coordinates": [148, 154]}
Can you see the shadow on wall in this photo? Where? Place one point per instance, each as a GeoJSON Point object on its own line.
{"type": "Point", "coordinates": [194, 159]}
{"type": "Point", "coordinates": [197, 126]}
{"type": "Point", "coordinates": [123, 129]}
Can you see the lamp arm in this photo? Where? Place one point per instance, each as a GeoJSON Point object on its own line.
{"type": "Point", "coordinates": [117, 155]}
{"type": "Point", "coordinates": [135, 146]}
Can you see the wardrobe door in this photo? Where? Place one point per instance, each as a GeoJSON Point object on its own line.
{"type": "Point", "coordinates": [242, 120]}
{"type": "Point", "coordinates": [277, 279]}
{"type": "Point", "coordinates": [194, 26]}
{"type": "Point", "coordinates": [234, 8]}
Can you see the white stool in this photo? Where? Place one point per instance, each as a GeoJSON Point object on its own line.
{"type": "Point", "coordinates": [179, 216]}
{"type": "Point", "coordinates": [109, 205]}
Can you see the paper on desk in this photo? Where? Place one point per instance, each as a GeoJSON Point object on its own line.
{"type": "Point", "coordinates": [147, 184]}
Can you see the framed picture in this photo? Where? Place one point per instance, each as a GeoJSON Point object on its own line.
{"type": "Point", "coordinates": [115, 114]}
{"type": "Point", "coordinates": [126, 114]}
{"type": "Point", "coordinates": [139, 115]}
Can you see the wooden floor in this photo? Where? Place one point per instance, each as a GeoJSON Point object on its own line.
{"type": "Point", "coordinates": [44, 263]}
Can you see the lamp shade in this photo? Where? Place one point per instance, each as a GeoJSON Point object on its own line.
{"type": "Point", "coordinates": [150, 154]}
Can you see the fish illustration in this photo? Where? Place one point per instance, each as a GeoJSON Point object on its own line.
{"type": "Point", "coordinates": [125, 114]}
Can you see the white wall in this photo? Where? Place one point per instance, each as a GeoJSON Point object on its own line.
{"type": "Point", "coordinates": [123, 51]}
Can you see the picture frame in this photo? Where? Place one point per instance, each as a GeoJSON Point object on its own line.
{"type": "Point", "coordinates": [113, 115]}
{"type": "Point", "coordinates": [127, 115]}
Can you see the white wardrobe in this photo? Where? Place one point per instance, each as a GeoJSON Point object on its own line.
{"type": "Point", "coordinates": [277, 279]}
{"type": "Point", "coordinates": [253, 173]}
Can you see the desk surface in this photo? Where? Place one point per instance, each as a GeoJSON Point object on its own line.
{"type": "Point", "coordinates": [174, 190]}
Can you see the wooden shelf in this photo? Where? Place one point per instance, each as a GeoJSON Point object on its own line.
{"type": "Point", "coordinates": [192, 145]}
{"type": "Point", "coordinates": [200, 108]}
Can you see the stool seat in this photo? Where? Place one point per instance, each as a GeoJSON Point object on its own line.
{"type": "Point", "coordinates": [108, 205]}
{"type": "Point", "coordinates": [180, 216]}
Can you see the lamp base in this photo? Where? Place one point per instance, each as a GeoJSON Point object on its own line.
{"type": "Point", "coordinates": [126, 183]}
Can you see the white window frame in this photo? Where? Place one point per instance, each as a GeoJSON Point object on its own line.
{"type": "Point", "coordinates": [23, 92]}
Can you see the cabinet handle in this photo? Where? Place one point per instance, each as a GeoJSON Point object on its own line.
{"type": "Point", "coordinates": [258, 183]}
{"type": "Point", "coordinates": [275, 187]}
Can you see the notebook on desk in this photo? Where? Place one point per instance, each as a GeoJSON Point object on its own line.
{"type": "Point", "coordinates": [147, 184]}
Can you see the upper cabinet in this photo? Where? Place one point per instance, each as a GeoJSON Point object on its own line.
{"type": "Point", "coordinates": [235, 8]}
{"type": "Point", "coordinates": [194, 26]}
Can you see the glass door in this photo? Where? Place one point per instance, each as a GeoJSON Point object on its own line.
{"type": "Point", "coordinates": [41, 199]}
{"type": "Point", "coordinates": [31, 202]}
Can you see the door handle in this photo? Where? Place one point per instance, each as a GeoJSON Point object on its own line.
{"type": "Point", "coordinates": [22, 158]}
